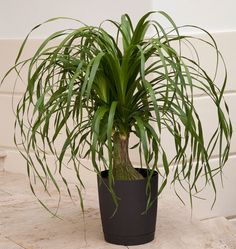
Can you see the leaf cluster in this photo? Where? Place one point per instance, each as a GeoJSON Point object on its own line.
{"type": "Point", "coordinates": [89, 84]}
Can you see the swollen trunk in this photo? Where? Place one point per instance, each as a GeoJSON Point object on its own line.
{"type": "Point", "coordinates": [122, 167]}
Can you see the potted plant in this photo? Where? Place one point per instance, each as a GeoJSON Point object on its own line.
{"type": "Point", "coordinates": [82, 83]}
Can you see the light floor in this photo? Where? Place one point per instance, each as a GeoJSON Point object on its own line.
{"type": "Point", "coordinates": [25, 224]}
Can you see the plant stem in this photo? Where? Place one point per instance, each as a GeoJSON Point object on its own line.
{"type": "Point", "coordinates": [122, 166]}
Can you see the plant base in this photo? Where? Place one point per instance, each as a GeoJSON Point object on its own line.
{"type": "Point", "coordinates": [129, 240]}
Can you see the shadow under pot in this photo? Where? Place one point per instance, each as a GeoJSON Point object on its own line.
{"type": "Point", "coordinates": [130, 225]}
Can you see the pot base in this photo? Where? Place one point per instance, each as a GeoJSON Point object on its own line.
{"type": "Point", "coordinates": [129, 240]}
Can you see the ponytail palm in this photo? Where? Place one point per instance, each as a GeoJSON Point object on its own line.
{"type": "Point", "coordinates": [100, 94]}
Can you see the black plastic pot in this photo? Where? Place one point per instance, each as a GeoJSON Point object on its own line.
{"type": "Point", "coordinates": [129, 225]}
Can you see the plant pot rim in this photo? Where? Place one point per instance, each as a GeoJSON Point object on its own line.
{"type": "Point", "coordinates": [144, 171]}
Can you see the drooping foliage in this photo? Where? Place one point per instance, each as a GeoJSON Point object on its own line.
{"type": "Point", "coordinates": [93, 87]}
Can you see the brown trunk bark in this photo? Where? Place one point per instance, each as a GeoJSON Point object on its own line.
{"type": "Point", "coordinates": [122, 166]}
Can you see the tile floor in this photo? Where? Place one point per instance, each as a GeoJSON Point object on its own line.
{"type": "Point", "coordinates": [25, 224]}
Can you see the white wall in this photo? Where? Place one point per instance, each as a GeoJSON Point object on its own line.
{"type": "Point", "coordinates": [213, 15]}
{"type": "Point", "coordinates": [17, 17]}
